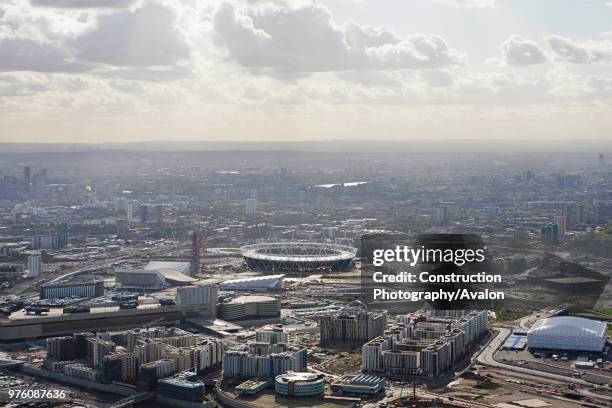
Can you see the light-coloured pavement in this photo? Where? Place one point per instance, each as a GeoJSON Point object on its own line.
{"type": "Point", "coordinates": [486, 358]}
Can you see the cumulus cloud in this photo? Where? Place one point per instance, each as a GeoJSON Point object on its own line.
{"type": "Point", "coordinates": [519, 51]}
{"type": "Point", "coordinates": [28, 55]}
{"type": "Point", "coordinates": [18, 85]}
{"type": "Point", "coordinates": [83, 3]}
{"type": "Point", "coordinates": [602, 87]}
{"type": "Point", "coordinates": [437, 78]}
{"type": "Point", "coordinates": [372, 78]}
{"type": "Point", "coordinates": [145, 36]}
{"type": "Point", "coordinates": [364, 36]}
{"type": "Point", "coordinates": [149, 74]}
{"type": "Point", "coordinates": [568, 50]}
{"type": "Point", "coordinates": [306, 39]}
{"type": "Point", "coordinates": [468, 3]}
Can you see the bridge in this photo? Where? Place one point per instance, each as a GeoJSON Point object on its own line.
{"type": "Point", "coordinates": [10, 363]}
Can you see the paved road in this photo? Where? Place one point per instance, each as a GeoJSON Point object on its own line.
{"type": "Point", "coordinates": [486, 358]}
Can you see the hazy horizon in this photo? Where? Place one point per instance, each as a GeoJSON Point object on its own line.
{"type": "Point", "coordinates": [506, 146]}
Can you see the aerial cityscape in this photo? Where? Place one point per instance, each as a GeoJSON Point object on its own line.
{"type": "Point", "coordinates": [305, 203]}
{"type": "Point", "coordinates": [208, 279]}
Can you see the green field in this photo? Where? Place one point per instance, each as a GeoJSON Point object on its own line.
{"type": "Point", "coordinates": [606, 311]}
{"type": "Point", "coordinates": [504, 315]}
{"type": "Point", "coordinates": [28, 292]}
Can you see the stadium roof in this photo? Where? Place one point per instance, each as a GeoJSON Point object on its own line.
{"type": "Point", "coordinates": [569, 326]}
{"type": "Point", "coordinates": [164, 275]}
{"type": "Point", "coordinates": [298, 252]}
{"type": "Point", "coordinates": [181, 267]}
{"type": "Point", "coordinates": [269, 281]}
{"type": "Point", "coordinates": [251, 299]}
{"type": "Point", "coordinates": [175, 276]}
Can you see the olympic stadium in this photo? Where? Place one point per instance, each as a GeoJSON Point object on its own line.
{"type": "Point", "coordinates": [298, 257]}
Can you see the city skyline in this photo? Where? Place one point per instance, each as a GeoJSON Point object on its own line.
{"type": "Point", "coordinates": [230, 276]}
{"type": "Point", "coordinates": [123, 70]}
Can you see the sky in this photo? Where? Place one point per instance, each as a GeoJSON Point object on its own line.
{"type": "Point", "coordinates": [297, 70]}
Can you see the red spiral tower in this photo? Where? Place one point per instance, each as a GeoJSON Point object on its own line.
{"type": "Point", "coordinates": [197, 248]}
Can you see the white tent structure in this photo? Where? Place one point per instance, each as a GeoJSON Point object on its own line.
{"type": "Point", "coordinates": [260, 283]}
{"type": "Point", "coordinates": [567, 333]}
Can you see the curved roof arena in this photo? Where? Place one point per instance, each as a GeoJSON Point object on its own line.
{"type": "Point", "coordinates": [298, 256]}
{"type": "Point", "coordinates": [569, 333]}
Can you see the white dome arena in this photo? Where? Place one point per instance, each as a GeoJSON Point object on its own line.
{"type": "Point", "coordinates": [567, 333]}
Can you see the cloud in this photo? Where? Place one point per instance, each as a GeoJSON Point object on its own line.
{"type": "Point", "coordinates": [148, 74]}
{"type": "Point", "coordinates": [28, 55]}
{"type": "Point", "coordinates": [304, 38]}
{"type": "Point", "coordinates": [521, 52]}
{"type": "Point", "coordinates": [568, 50]}
{"type": "Point", "coordinates": [83, 3]}
{"type": "Point", "coordinates": [18, 85]}
{"type": "Point", "coordinates": [468, 3]}
{"type": "Point", "coordinates": [364, 36]}
{"type": "Point", "coordinates": [144, 37]}
{"type": "Point", "coordinates": [437, 78]}
{"type": "Point", "coordinates": [129, 87]}
{"type": "Point", "coordinates": [372, 78]}
{"type": "Point", "coordinates": [602, 87]}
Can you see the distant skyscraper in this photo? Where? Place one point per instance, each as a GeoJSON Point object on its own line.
{"type": "Point", "coordinates": [26, 176]}
{"type": "Point", "coordinates": [38, 180]}
{"type": "Point", "coordinates": [250, 207]}
{"type": "Point", "coordinates": [144, 213]}
{"type": "Point", "coordinates": [571, 214]}
{"type": "Point", "coordinates": [62, 234]}
{"type": "Point", "coordinates": [550, 234]}
{"type": "Point", "coordinates": [159, 214]}
{"type": "Point", "coordinates": [254, 194]}
{"type": "Point", "coordinates": [34, 265]}
{"type": "Point", "coordinates": [130, 212]}
{"type": "Point", "coordinates": [520, 235]}
{"type": "Point", "coordinates": [123, 229]}
{"type": "Point", "coordinates": [600, 213]}
{"type": "Point", "coordinates": [50, 241]}
{"type": "Point", "coordinates": [442, 215]}
{"type": "Point", "coordinates": [561, 221]}
{"type": "Point", "coordinates": [120, 204]}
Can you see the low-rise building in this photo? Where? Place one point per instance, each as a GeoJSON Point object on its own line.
{"type": "Point", "coordinates": [292, 384]}
{"type": "Point", "coordinates": [185, 386]}
{"type": "Point", "coordinates": [360, 384]}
